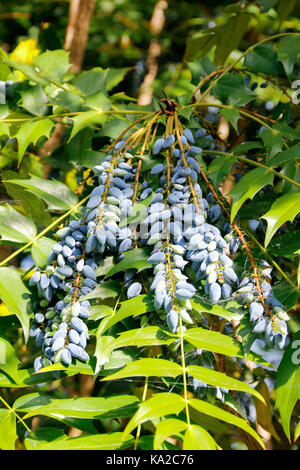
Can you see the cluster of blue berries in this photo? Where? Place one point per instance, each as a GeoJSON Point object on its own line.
{"type": "Point", "coordinates": [181, 228]}
{"type": "Point", "coordinates": [59, 327]}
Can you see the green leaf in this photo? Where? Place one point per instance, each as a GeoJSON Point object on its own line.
{"type": "Point", "coordinates": [148, 368]}
{"type": "Point", "coordinates": [103, 350]}
{"type": "Point", "coordinates": [273, 143]}
{"type": "Point", "coordinates": [248, 186]}
{"type": "Point", "coordinates": [133, 259]}
{"type": "Point", "coordinates": [283, 157]}
{"type": "Point", "coordinates": [288, 383]}
{"type": "Point", "coordinates": [285, 8]}
{"type": "Point", "coordinates": [139, 210]}
{"type": "Point", "coordinates": [199, 45]}
{"type": "Point", "coordinates": [8, 430]}
{"type": "Point", "coordinates": [244, 147]}
{"type": "Point", "coordinates": [288, 51]}
{"type": "Point", "coordinates": [231, 90]}
{"type": "Point", "coordinates": [92, 442]}
{"type": "Point", "coordinates": [196, 438]}
{"type": "Point", "coordinates": [247, 335]}
{"type": "Point", "coordinates": [14, 226]}
{"type": "Point", "coordinates": [34, 207]}
{"type": "Point", "coordinates": [9, 361]}
{"type": "Point", "coordinates": [100, 311]}
{"type": "Point", "coordinates": [232, 115]}
{"type": "Point", "coordinates": [283, 209]}
{"type": "Point", "coordinates": [115, 76]}
{"type": "Point", "coordinates": [40, 251]}
{"type": "Point", "coordinates": [68, 100]}
{"type": "Point", "coordinates": [43, 436]}
{"type": "Point", "coordinates": [114, 128]}
{"type": "Point", "coordinates": [216, 412]}
{"type": "Point", "coordinates": [220, 167]}
{"type": "Point", "coordinates": [230, 35]}
{"type": "Point", "coordinates": [91, 81]}
{"type": "Point", "coordinates": [15, 296]}
{"type": "Point", "coordinates": [52, 64]}
{"type": "Point", "coordinates": [78, 407]}
{"type": "Point", "coordinates": [105, 290]}
{"type": "Point", "coordinates": [56, 194]}
{"type": "Point", "coordinates": [34, 99]}
{"type": "Point", "coordinates": [231, 311]}
{"type": "Point", "coordinates": [104, 266]}
{"type": "Point", "coordinates": [27, 70]}
{"type": "Point", "coordinates": [161, 404]}
{"type": "Point", "coordinates": [86, 119]}
{"type": "Point", "coordinates": [147, 336]}
{"type": "Point", "coordinates": [30, 132]}
{"type": "Point", "coordinates": [219, 343]}
{"type": "Point", "coordinates": [129, 308]}
{"type": "Point", "coordinates": [263, 59]}
{"type": "Point", "coordinates": [219, 379]}
{"type": "Point", "coordinates": [167, 428]}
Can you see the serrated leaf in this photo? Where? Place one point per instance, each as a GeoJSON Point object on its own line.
{"type": "Point", "coordinates": [91, 81]}
{"type": "Point", "coordinates": [248, 186]}
{"type": "Point", "coordinates": [8, 430]}
{"type": "Point", "coordinates": [15, 295]}
{"type": "Point", "coordinates": [40, 251]}
{"type": "Point", "coordinates": [34, 99]}
{"type": "Point", "coordinates": [115, 76]}
{"type": "Point", "coordinates": [56, 194]}
{"type": "Point", "coordinates": [283, 209]}
{"type": "Point", "coordinates": [232, 115]}
{"type": "Point", "coordinates": [133, 259]}
{"type": "Point", "coordinates": [283, 157]}
{"type": "Point", "coordinates": [231, 90]}
{"type": "Point", "coordinates": [244, 147]}
{"type": "Point", "coordinates": [30, 132]}
{"type": "Point", "coordinates": [78, 407]}
{"type": "Point", "coordinates": [216, 412]}
{"type": "Point", "coordinates": [288, 382]}
{"type": "Point", "coordinates": [14, 226]}
{"type": "Point", "coordinates": [167, 428]}
{"type": "Point", "coordinates": [148, 368]}
{"type": "Point", "coordinates": [219, 379]}
{"type": "Point", "coordinates": [52, 64]}
{"type": "Point", "coordinates": [263, 59]}
{"type": "Point", "coordinates": [86, 119]}
{"type": "Point", "coordinates": [197, 438]}
{"type": "Point", "coordinates": [273, 143]}
{"type": "Point", "coordinates": [288, 50]}
{"type": "Point", "coordinates": [161, 404]}
{"type": "Point", "coordinates": [220, 167]}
